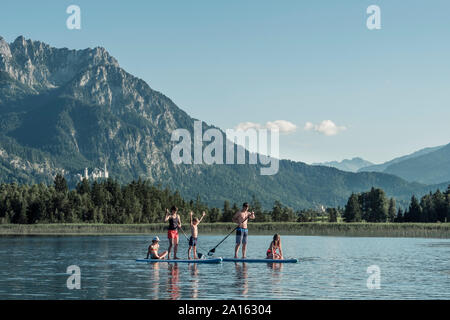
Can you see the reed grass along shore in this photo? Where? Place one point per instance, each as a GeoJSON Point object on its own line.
{"type": "Point", "coordinates": [425, 230]}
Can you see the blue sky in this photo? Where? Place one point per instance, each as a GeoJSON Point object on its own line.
{"type": "Point", "coordinates": [228, 62]}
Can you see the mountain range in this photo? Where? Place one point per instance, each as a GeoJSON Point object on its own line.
{"type": "Point", "coordinates": [62, 111]}
{"type": "Point", "coordinates": [429, 166]}
{"type": "Point", "coordinates": [350, 165]}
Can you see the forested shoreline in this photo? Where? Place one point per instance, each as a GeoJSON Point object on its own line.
{"type": "Point", "coordinates": [139, 202]}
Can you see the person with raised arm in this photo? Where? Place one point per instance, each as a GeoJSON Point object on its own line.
{"type": "Point", "coordinates": [194, 234]}
{"type": "Point", "coordinates": [172, 234]}
{"type": "Point", "coordinates": [240, 218]}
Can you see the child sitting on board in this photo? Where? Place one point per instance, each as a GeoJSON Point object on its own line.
{"type": "Point", "coordinates": [275, 246]}
{"type": "Point", "coordinates": [153, 250]}
{"type": "Point", "coordinates": [194, 235]}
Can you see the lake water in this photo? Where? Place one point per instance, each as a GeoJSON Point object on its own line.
{"type": "Point", "coordinates": [329, 268]}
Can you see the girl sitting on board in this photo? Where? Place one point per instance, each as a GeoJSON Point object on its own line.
{"type": "Point", "coordinates": [275, 246]}
{"type": "Point", "coordinates": [153, 250]}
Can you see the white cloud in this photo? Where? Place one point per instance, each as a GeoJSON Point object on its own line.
{"type": "Point", "coordinates": [309, 126]}
{"type": "Point", "coordinates": [282, 125]}
{"type": "Point", "coordinates": [248, 125]}
{"type": "Point", "coordinates": [326, 127]}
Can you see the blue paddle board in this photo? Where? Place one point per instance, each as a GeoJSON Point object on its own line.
{"type": "Point", "coordinates": [215, 260]}
{"type": "Point", "coordinates": [261, 260]}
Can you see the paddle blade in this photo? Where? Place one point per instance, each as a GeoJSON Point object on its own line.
{"type": "Point", "coordinates": [200, 255]}
{"type": "Point", "coordinates": [211, 252]}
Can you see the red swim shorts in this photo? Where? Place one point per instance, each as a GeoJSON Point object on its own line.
{"type": "Point", "coordinates": [172, 234]}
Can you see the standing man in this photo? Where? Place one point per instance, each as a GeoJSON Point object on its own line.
{"type": "Point", "coordinates": [241, 218]}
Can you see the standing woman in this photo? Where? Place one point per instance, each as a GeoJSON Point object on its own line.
{"type": "Point", "coordinates": [172, 234]}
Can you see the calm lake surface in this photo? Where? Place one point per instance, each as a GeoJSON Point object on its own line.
{"type": "Point", "coordinates": [329, 268]}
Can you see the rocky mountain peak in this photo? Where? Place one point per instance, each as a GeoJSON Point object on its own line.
{"type": "Point", "coordinates": [43, 67]}
{"type": "Point", "coordinates": [5, 51]}
{"type": "Point", "coordinates": [101, 56]}
{"type": "Point", "coordinates": [20, 41]}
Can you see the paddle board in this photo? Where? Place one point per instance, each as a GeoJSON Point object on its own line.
{"type": "Point", "coordinates": [215, 260]}
{"type": "Point", "coordinates": [260, 260]}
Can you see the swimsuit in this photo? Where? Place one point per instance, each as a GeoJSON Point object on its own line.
{"type": "Point", "coordinates": [192, 241]}
{"type": "Point", "coordinates": [241, 235]}
{"type": "Point", "coordinates": [274, 251]}
{"type": "Point", "coordinates": [173, 228]}
{"type": "Point", "coordinates": [172, 234]}
{"type": "Point", "coordinates": [153, 252]}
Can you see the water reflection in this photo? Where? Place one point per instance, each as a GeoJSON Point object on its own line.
{"type": "Point", "coordinates": [173, 287]}
{"type": "Point", "coordinates": [154, 272]}
{"type": "Point", "coordinates": [242, 278]}
{"type": "Point", "coordinates": [193, 268]}
{"type": "Point", "coordinates": [276, 267]}
{"type": "Point", "coordinates": [276, 277]}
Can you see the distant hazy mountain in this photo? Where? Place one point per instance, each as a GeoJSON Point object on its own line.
{"type": "Point", "coordinates": [429, 166]}
{"type": "Point", "coordinates": [383, 166]}
{"type": "Point", "coordinates": [350, 165]}
{"type": "Point", "coordinates": [66, 110]}
{"type": "Point", "coordinates": [432, 167]}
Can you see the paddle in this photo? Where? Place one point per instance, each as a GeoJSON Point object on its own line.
{"type": "Point", "coordinates": [213, 250]}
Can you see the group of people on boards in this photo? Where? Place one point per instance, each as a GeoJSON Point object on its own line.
{"type": "Point", "coordinates": [241, 218]}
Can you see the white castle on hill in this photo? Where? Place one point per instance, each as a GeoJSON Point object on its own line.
{"type": "Point", "coordinates": [95, 174]}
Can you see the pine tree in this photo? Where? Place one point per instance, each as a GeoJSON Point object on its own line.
{"type": "Point", "coordinates": [215, 215]}
{"type": "Point", "coordinates": [227, 213]}
{"type": "Point", "coordinates": [378, 206]}
{"type": "Point", "coordinates": [257, 208]}
{"type": "Point", "coordinates": [84, 187]}
{"type": "Point", "coordinates": [288, 215]}
{"type": "Point", "coordinates": [234, 209]}
{"type": "Point", "coordinates": [332, 214]}
{"type": "Point", "coordinates": [440, 206]}
{"type": "Point", "coordinates": [60, 184]}
{"type": "Point", "coordinates": [399, 217]}
{"type": "Point", "coordinates": [352, 212]}
{"type": "Point", "coordinates": [428, 212]}
{"type": "Point", "coordinates": [447, 203]}
{"type": "Point", "coordinates": [415, 211]}
{"type": "Point", "coordinates": [277, 211]}
{"type": "Point", "coordinates": [366, 201]}
{"type": "Point", "coordinates": [391, 210]}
